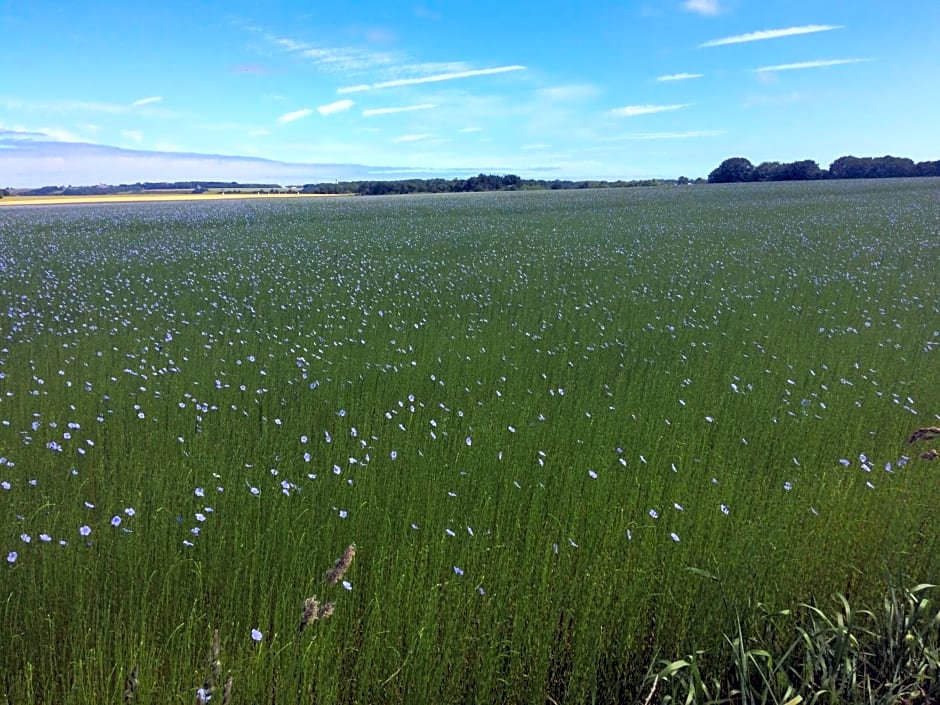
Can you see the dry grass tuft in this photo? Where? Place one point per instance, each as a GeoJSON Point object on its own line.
{"type": "Point", "coordinates": [314, 611]}
{"type": "Point", "coordinates": [927, 433]}
{"type": "Point", "coordinates": [130, 685]}
{"type": "Point", "coordinates": [336, 573]}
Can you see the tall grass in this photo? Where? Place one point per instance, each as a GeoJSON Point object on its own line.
{"type": "Point", "coordinates": [571, 435]}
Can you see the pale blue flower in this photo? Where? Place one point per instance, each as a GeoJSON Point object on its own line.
{"type": "Point", "coordinates": [256, 635]}
{"type": "Point", "coordinates": [12, 556]}
{"type": "Point", "coordinates": [84, 530]}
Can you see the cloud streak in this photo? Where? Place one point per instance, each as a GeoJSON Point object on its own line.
{"type": "Point", "coordinates": [679, 77]}
{"type": "Point", "coordinates": [702, 7]}
{"type": "Point", "coordinates": [634, 110]}
{"type": "Point", "coordinates": [295, 115]}
{"type": "Point", "coordinates": [335, 107]}
{"type": "Point", "coordinates": [412, 138]}
{"type": "Point", "coordinates": [147, 101]}
{"type": "Point", "coordinates": [403, 109]}
{"type": "Point", "coordinates": [451, 76]}
{"type": "Point", "coordinates": [808, 65]}
{"type": "Point", "coordinates": [765, 34]}
{"type": "Point", "coordinates": [689, 134]}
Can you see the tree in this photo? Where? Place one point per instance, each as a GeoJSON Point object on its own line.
{"type": "Point", "coordinates": [732, 170]}
{"type": "Point", "coordinates": [767, 171]}
{"type": "Point", "coordinates": [806, 170]}
{"type": "Point", "coordinates": [682, 181]}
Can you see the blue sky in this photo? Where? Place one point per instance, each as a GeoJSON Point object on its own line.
{"type": "Point", "coordinates": [302, 92]}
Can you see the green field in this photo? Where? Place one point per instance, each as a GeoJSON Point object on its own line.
{"type": "Point", "coordinates": [573, 436]}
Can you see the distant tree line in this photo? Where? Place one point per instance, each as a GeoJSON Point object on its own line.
{"type": "Point", "coordinates": [142, 186]}
{"type": "Point", "coordinates": [739, 169]}
{"type": "Point", "coordinates": [481, 182]}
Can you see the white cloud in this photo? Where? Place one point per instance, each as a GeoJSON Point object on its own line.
{"type": "Point", "coordinates": [412, 138]}
{"type": "Point", "coordinates": [702, 7]}
{"type": "Point", "coordinates": [431, 79]}
{"type": "Point", "coordinates": [634, 110]}
{"type": "Point", "coordinates": [689, 134]}
{"type": "Point", "coordinates": [573, 92]}
{"type": "Point", "coordinates": [147, 101]}
{"type": "Point", "coordinates": [808, 65]}
{"type": "Point", "coordinates": [679, 77]}
{"type": "Point", "coordinates": [336, 59]}
{"type": "Point", "coordinates": [295, 115]}
{"type": "Point", "coordinates": [335, 107]}
{"type": "Point", "coordinates": [133, 135]}
{"type": "Point", "coordinates": [404, 109]}
{"type": "Point", "coordinates": [770, 34]}
{"type": "Point", "coordinates": [470, 129]}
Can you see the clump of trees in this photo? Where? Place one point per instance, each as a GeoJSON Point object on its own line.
{"type": "Point", "coordinates": [481, 182]}
{"type": "Point", "coordinates": [739, 169]}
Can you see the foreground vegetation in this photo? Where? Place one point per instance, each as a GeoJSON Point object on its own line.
{"type": "Point", "coordinates": [606, 446]}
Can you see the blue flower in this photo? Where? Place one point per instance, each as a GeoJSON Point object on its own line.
{"type": "Point", "coordinates": [256, 635]}
{"type": "Point", "coordinates": [85, 530]}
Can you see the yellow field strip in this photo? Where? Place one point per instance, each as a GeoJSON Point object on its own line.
{"type": "Point", "coordinates": [143, 198]}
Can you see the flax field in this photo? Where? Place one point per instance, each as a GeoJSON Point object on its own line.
{"type": "Point", "coordinates": [520, 447]}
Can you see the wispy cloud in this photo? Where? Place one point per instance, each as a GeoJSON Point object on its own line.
{"type": "Point", "coordinates": [569, 93]}
{"type": "Point", "coordinates": [808, 65]}
{"type": "Point", "coordinates": [63, 106]}
{"type": "Point", "coordinates": [763, 34]}
{"type": "Point", "coordinates": [147, 101]}
{"type": "Point", "coordinates": [702, 7]}
{"type": "Point", "coordinates": [634, 110]}
{"type": "Point", "coordinates": [133, 135]}
{"type": "Point", "coordinates": [430, 79]}
{"type": "Point", "coordinates": [679, 77]}
{"type": "Point", "coordinates": [336, 59]}
{"type": "Point", "coordinates": [295, 115]}
{"type": "Point", "coordinates": [467, 130]}
{"type": "Point", "coordinates": [335, 107]}
{"type": "Point", "coordinates": [412, 138]}
{"type": "Point", "coordinates": [772, 100]}
{"type": "Point", "coordinates": [689, 134]}
{"type": "Point", "coordinates": [403, 109]}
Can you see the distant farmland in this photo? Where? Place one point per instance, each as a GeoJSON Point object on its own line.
{"type": "Point", "coordinates": [573, 436]}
